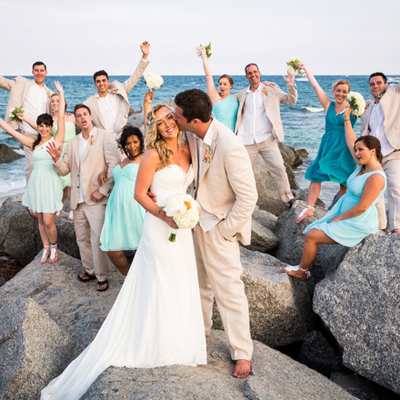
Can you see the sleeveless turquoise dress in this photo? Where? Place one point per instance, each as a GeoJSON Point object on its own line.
{"type": "Point", "coordinates": [350, 231]}
{"type": "Point", "coordinates": [44, 191]}
{"type": "Point", "coordinates": [334, 161]}
{"type": "Point", "coordinates": [226, 110]}
{"type": "Point", "coordinates": [70, 132]}
{"type": "Point", "coordinates": [124, 217]}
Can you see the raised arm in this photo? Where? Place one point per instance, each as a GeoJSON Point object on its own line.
{"type": "Point", "coordinates": [149, 96]}
{"type": "Point", "coordinates": [5, 83]}
{"type": "Point", "coordinates": [350, 134]}
{"type": "Point", "coordinates": [291, 96]}
{"type": "Point", "coordinates": [212, 91]}
{"type": "Point", "coordinates": [322, 97]}
{"type": "Point", "coordinates": [16, 135]}
{"type": "Point", "coordinates": [23, 117]}
{"type": "Point", "coordinates": [60, 134]}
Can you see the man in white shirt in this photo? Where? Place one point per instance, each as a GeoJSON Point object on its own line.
{"type": "Point", "coordinates": [110, 105]}
{"type": "Point", "coordinates": [382, 120]}
{"type": "Point", "coordinates": [34, 96]}
{"type": "Point", "coordinates": [259, 125]}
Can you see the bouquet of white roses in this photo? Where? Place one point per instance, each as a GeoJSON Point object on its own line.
{"type": "Point", "coordinates": [185, 211]}
{"type": "Point", "coordinates": [153, 81]}
{"type": "Point", "coordinates": [208, 49]}
{"type": "Point", "coordinates": [13, 114]}
{"type": "Point", "coordinates": [357, 103]}
{"type": "Point", "coordinates": [292, 66]}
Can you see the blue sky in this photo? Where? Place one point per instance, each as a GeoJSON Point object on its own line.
{"type": "Point", "coordinates": [76, 37]}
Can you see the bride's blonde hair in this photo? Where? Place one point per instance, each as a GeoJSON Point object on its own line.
{"type": "Point", "coordinates": [155, 141]}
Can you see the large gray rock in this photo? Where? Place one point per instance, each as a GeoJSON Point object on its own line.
{"type": "Point", "coordinates": [275, 376]}
{"type": "Point", "coordinates": [265, 218]}
{"type": "Point", "coordinates": [289, 155]}
{"type": "Point", "coordinates": [359, 304]}
{"type": "Point", "coordinates": [280, 311]}
{"type": "Point", "coordinates": [33, 350]}
{"type": "Point", "coordinates": [20, 237]}
{"type": "Point", "coordinates": [76, 306]}
{"type": "Point", "coordinates": [291, 241]}
{"type": "Point", "coordinates": [262, 238]}
{"type": "Point", "coordinates": [7, 154]}
{"type": "Point", "coordinates": [268, 197]}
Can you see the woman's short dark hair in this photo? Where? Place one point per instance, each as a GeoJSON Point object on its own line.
{"type": "Point", "coordinates": [226, 76]}
{"type": "Point", "coordinates": [46, 119]}
{"type": "Point", "coordinates": [371, 142]}
{"type": "Point", "coordinates": [127, 132]}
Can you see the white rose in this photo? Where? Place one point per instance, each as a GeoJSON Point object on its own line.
{"type": "Point", "coordinates": [153, 81]}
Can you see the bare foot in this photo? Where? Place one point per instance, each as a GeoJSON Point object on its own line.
{"type": "Point", "coordinates": [296, 273]}
{"type": "Point", "coordinates": [394, 232]}
{"type": "Point", "coordinates": [242, 369]}
{"type": "Point", "coordinates": [308, 211]}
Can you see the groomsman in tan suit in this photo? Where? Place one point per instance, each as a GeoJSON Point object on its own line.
{"type": "Point", "coordinates": [382, 120]}
{"type": "Point", "coordinates": [225, 189]}
{"type": "Point", "coordinates": [110, 105]}
{"type": "Point", "coordinates": [259, 125]}
{"type": "Point", "coordinates": [34, 96]}
{"type": "Point", "coordinates": [87, 155]}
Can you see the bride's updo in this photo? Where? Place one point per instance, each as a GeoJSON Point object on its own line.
{"type": "Point", "coordinates": [154, 140]}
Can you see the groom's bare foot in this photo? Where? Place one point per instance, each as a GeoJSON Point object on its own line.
{"type": "Point", "coordinates": [242, 369]}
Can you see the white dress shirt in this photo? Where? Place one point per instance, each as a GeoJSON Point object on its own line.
{"type": "Point", "coordinates": [256, 126]}
{"type": "Point", "coordinates": [109, 107]}
{"type": "Point", "coordinates": [82, 150]}
{"type": "Point", "coordinates": [377, 126]}
{"type": "Point", "coordinates": [35, 104]}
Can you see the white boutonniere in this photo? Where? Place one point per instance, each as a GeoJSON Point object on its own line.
{"type": "Point", "coordinates": [207, 155]}
{"type": "Point", "coordinates": [91, 140]}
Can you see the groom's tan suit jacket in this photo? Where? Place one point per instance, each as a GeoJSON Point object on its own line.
{"type": "Point", "coordinates": [272, 98]}
{"type": "Point", "coordinates": [118, 89]}
{"type": "Point", "coordinates": [226, 187]}
{"type": "Point", "coordinates": [390, 102]}
{"type": "Point", "coordinates": [100, 156]}
{"type": "Point", "coordinates": [19, 89]}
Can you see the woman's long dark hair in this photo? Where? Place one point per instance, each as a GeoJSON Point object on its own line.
{"type": "Point", "coordinates": [371, 142]}
{"type": "Point", "coordinates": [127, 132]}
{"type": "Point", "coordinates": [46, 119]}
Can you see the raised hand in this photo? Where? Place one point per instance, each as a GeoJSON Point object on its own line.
{"type": "Point", "coordinates": [301, 66]}
{"type": "Point", "coordinates": [21, 116]}
{"type": "Point", "coordinates": [149, 96]}
{"type": "Point", "coordinates": [58, 86]}
{"type": "Point", "coordinates": [53, 150]}
{"type": "Point", "coordinates": [289, 79]}
{"type": "Point", "coordinates": [101, 179]}
{"type": "Point", "coordinates": [202, 50]}
{"type": "Point", "coordinates": [145, 48]}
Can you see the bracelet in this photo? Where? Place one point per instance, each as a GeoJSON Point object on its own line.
{"type": "Point", "coordinates": [346, 120]}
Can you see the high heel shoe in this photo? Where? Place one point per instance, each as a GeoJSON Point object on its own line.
{"type": "Point", "coordinates": [45, 254]}
{"type": "Point", "coordinates": [53, 254]}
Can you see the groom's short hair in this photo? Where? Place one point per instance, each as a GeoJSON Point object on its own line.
{"type": "Point", "coordinates": [248, 65]}
{"type": "Point", "coordinates": [195, 104]}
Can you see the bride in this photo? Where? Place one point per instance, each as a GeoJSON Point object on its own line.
{"type": "Point", "coordinates": [156, 319]}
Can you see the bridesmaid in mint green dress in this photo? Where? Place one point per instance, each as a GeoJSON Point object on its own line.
{"type": "Point", "coordinates": [124, 217]}
{"type": "Point", "coordinates": [354, 216]}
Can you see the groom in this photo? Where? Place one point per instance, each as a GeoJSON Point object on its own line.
{"type": "Point", "coordinates": [226, 191]}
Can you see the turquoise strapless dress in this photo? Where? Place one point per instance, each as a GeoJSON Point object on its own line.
{"type": "Point", "coordinates": [334, 161]}
{"type": "Point", "coordinates": [124, 217]}
{"type": "Point", "coordinates": [44, 191]}
{"type": "Point", "coordinates": [351, 231]}
{"type": "Point", "coordinates": [226, 110]}
{"type": "Point", "coordinates": [70, 132]}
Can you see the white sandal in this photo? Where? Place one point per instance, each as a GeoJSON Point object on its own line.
{"type": "Point", "coordinates": [45, 254]}
{"type": "Point", "coordinates": [305, 209]}
{"type": "Point", "coordinates": [53, 254]}
{"type": "Point", "coordinates": [293, 268]}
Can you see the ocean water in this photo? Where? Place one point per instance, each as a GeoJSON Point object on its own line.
{"type": "Point", "coordinates": [303, 122]}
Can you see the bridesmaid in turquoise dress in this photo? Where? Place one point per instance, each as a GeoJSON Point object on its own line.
{"type": "Point", "coordinates": [225, 105]}
{"type": "Point", "coordinates": [124, 217]}
{"type": "Point", "coordinates": [44, 191]}
{"type": "Point", "coordinates": [334, 161]}
{"type": "Point", "coordinates": [354, 216]}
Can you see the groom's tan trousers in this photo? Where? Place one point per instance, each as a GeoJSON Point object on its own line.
{"type": "Point", "coordinates": [219, 270]}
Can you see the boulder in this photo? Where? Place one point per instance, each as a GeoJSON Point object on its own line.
{"type": "Point", "coordinates": [265, 218]}
{"type": "Point", "coordinates": [359, 304]}
{"type": "Point", "coordinates": [33, 349]}
{"type": "Point", "coordinates": [20, 237]}
{"type": "Point", "coordinates": [280, 310]}
{"type": "Point", "coordinates": [262, 238]}
{"type": "Point", "coordinates": [268, 197]}
{"type": "Point", "coordinates": [303, 153]}
{"type": "Point", "coordinates": [275, 376]}
{"type": "Point", "coordinates": [302, 194]}
{"type": "Point", "coordinates": [291, 241]}
{"type": "Point", "coordinates": [7, 154]}
{"type": "Point", "coordinates": [290, 155]}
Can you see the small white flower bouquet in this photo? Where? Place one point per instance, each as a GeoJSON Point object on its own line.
{"type": "Point", "coordinates": [292, 66]}
{"type": "Point", "coordinates": [185, 211]}
{"type": "Point", "coordinates": [357, 103]}
{"type": "Point", "coordinates": [208, 49]}
{"type": "Point", "coordinates": [153, 81]}
{"type": "Point", "coordinates": [14, 112]}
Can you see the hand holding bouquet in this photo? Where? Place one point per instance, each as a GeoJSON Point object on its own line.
{"type": "Point", "coordinates": [357, 103]}
{"type": "Point", "coordinates": [293, 68]}
{"type": "Point", "coordinates": [13, 114]}
{"type": "Point", "coordinates": [205, 50]}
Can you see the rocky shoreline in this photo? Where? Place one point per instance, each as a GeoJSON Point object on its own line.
{"type": "Point", "coordinates": [340, 328]}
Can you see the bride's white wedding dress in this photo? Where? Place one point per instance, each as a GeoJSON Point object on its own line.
{"type": "Point", "coordinates": [156, 319]}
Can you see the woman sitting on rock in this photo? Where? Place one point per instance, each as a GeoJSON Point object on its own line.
{"type": "Point", "coordinates": [355, 215]}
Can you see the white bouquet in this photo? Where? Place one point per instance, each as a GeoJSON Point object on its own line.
{"type": "Point", "coordinates": [208, 49]}
{"type": "Point", "coordinates": [357, 103]}
{"type": "Point", "coordinates": [14, 112]}
{"type": "Point", "coordinates": [292, 66]}
{"type": "Point", "coordinates": [185, 211]}
{"type": "Point", "coordinates": [153, 81]}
